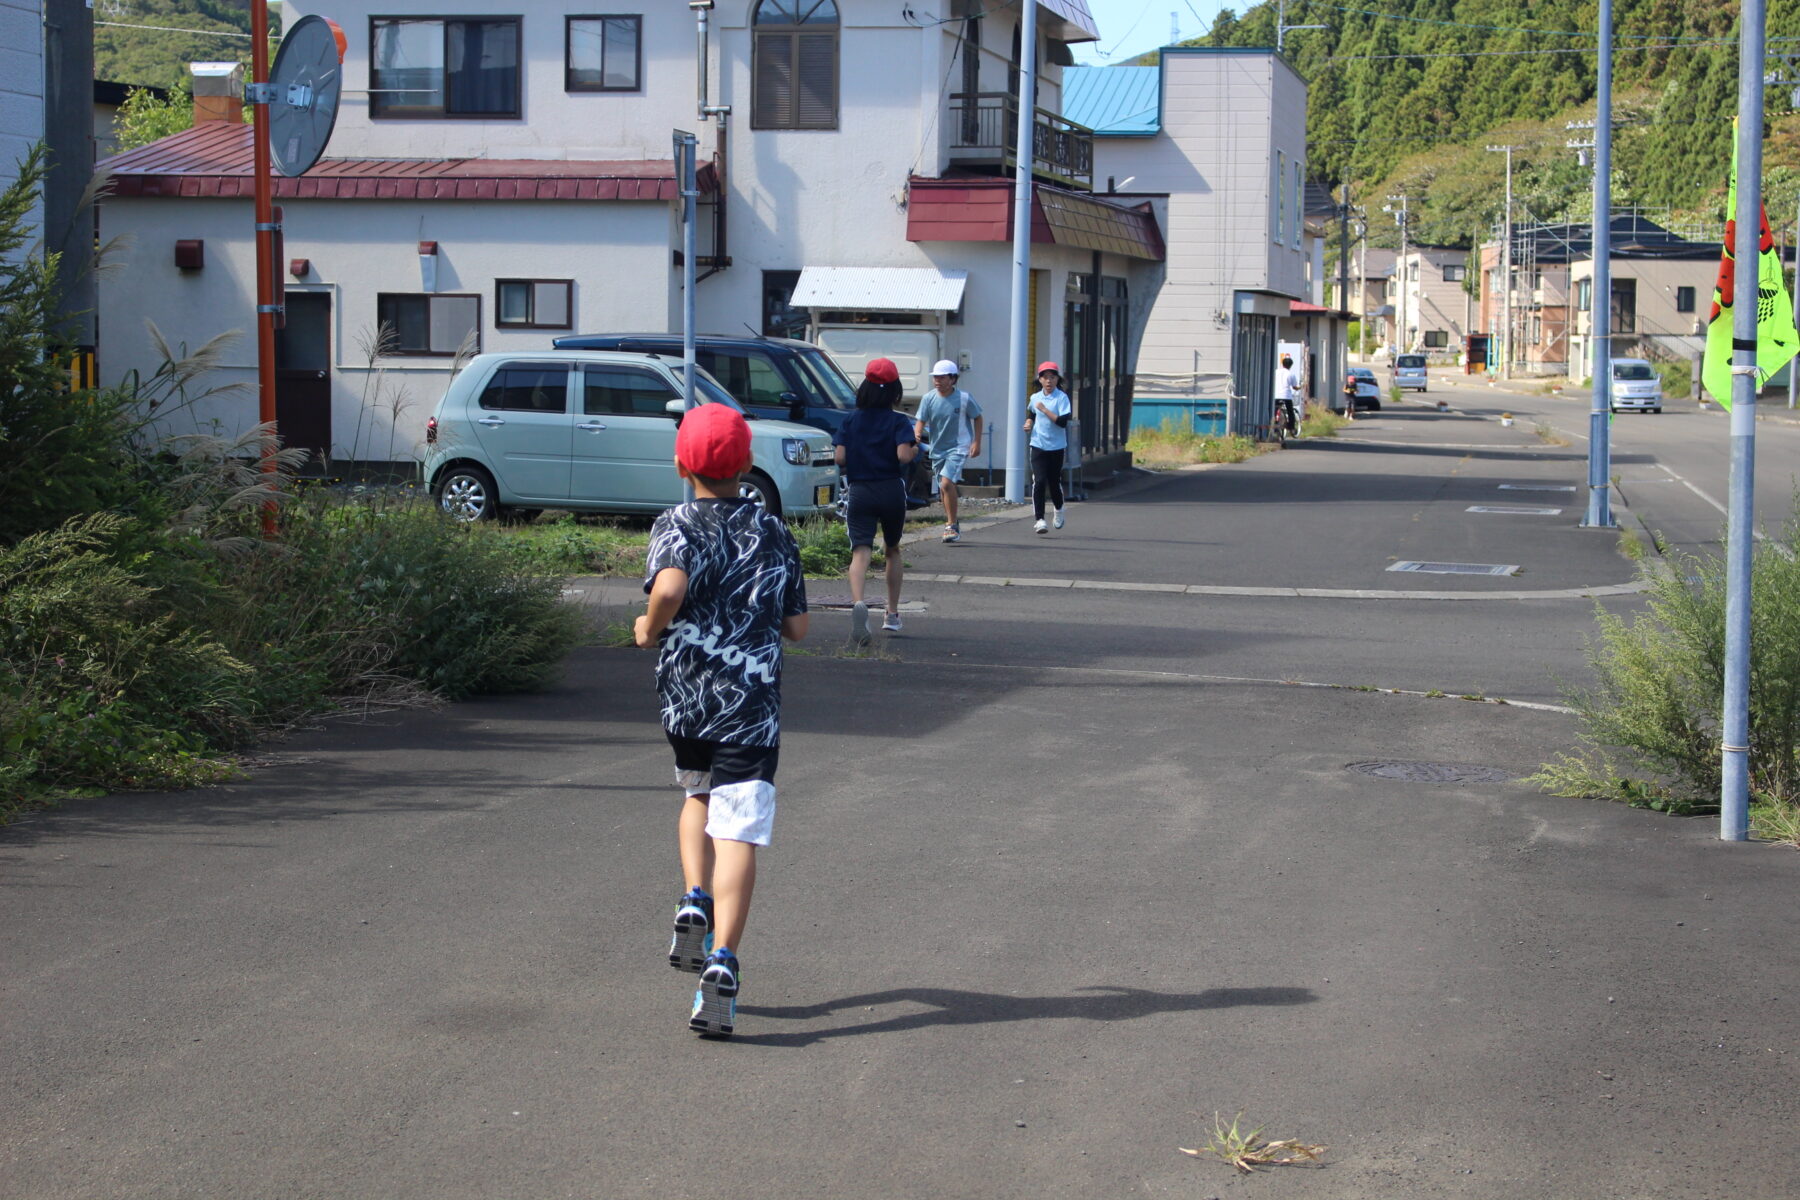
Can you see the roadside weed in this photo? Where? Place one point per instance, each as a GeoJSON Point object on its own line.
{"type": "Point", "coordinates": [1173, 446]}
{"type": "Point", "coordinates": [1548, 435]}
{"type": "Point", "coordinates": [1248, 1151]}
{"type": "Point", "coordinates": [1776, 822]}
{"type": "Point", "coordinates": [1321, 422]}
{"type": "Point", "coordinates": [1631, 545]}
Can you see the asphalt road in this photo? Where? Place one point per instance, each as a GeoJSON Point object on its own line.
{"type": "Point", "coordinates": [1059, 874]}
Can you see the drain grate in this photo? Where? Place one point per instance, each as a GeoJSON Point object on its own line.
{"type": "Point", "coordinates": [1514, 510]}
{"type": "Point", "coordinates": [1447, 568]}
{"type": "Point", "coordinates": [1433, 772]}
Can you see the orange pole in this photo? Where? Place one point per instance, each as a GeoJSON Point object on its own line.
{"type": "Point", "coordinates": [265, 237]}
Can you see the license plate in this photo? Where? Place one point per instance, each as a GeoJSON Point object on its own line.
{"type": "Point", "coordinates": [822, 495]}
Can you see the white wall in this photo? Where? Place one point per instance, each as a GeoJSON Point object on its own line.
{"type": "Point", "coordinates": [1224, 118]}
{"type": "Point", "coordinates": [617, 252]}
{"type": "Point", "coordinates": [21, 85]}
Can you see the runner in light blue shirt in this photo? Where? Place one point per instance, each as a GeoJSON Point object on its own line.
{"type": "Point", "coordinates": [1047, 415]}
{"type": "Point", "coordinates": [950, 420]}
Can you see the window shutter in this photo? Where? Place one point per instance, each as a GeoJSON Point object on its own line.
{"type": "Point", "coordinates": [815, 104]}
{"type": "Point", "coordinates": [773, 99]}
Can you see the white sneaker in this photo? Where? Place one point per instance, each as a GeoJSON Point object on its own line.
{"type": "Point", "coordinates": [1040, 526]}
{"type": "Point", "coordinates": [859, 622]}
{"type": "Point", "coordinates": [892, 624]}
{"type": "Point", "coordinates": [1059, 518]}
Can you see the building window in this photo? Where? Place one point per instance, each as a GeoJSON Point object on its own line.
{"type": "Point", "coordinates": [794, 72]}
{"type": "Point", "coordinates": [1436, 339]}
{"type": "Point", "coordinates": [1684, 299]}
{"type": "Point", "coordinates": [1624, 306]}
{"type": "Point", "coordinates": [444, 68]}
{"type": "Point", "coordinates": [1454, 273]}
{"type": "Point", "coordinates": [534, 303]}
{"type": "Point", "coordinates": [603, 54]}
{"type": "Point", "coordinates": [1584, 295]}
{"type": "Point", "coordinates": [1280, 196]}
{"type": "Point", "coordinates": [1299, 201]}
{"type": "Point", "coordinates": [428, 324]}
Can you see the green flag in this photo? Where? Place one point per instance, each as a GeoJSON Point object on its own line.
{"type": "Point", "coordinates": [1776, 339]}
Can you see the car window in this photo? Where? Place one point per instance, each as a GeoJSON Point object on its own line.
{"type": "Point", "coordinates": [749, 376]}
{"type": "Point", "coordinates": [1411, 360]}
{"type": "Point", "coordinates": [625, 391]}
{"type": "Point", "coordinates": [1633, 371]}
{"type": "Point", "coordinates": [528, 387]}
{"type": "Point", "coordinates": [829, 380]}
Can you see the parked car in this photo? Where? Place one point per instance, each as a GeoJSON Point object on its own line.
{"type": "Point", "coordinates": [1636, 386]}
{"type": "Point", "coordinates": [1409, 371]}
{"type": "Point", "coordinates": [594, 431]}
{"type": "Point", "coordinates": [773, 378]}
{"type": "Point", "coordinates": [1359, 382]}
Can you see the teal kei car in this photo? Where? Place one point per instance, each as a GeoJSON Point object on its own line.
{"type": "Point", "coordinates": [594, 431]}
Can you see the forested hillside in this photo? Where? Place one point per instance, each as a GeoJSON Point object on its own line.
{"type": "Point", "coordinates": [125, 51]}
{"type": "Point", "coordinates": [1405, 95]}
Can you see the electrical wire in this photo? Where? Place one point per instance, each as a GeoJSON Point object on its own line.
{"type": "Point", "coordinates": [170, 29]}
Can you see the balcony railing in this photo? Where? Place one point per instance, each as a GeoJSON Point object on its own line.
{"type": "Point", "coordinates": [985, 128]}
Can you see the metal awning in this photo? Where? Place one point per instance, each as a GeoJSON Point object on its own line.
{"type": "Point", "coordinates": [1076, 19]}
{"type": "Point", "coordinates": [882, 289]}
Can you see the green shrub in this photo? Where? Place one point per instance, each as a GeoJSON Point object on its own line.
{"type": "Point", "coordinates": [1176, 444]}
{"type": "Point", "coordinates": [1677, 380]}
{"type": "Point", "coordinates": [1660, 695]}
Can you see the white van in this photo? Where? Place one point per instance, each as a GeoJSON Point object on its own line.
{"type": "Point", "coordinates": [1636, 386]}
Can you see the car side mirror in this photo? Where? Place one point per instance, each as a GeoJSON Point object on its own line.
{"type": "Point", "coordinates": [675, 408]}
{"type": "Point", "coordinates": [795, 405]}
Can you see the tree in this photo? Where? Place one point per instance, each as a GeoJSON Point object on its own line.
{"type": "Point", "coordinates": [146, 116]}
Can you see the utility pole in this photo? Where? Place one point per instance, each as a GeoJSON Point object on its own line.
{"type": "Point", "coordinates": [1506, 269]}
{"type": "Point", "coordinates": [1018, 344]}
{"type": "Point", "coordinates": [1734, 750]}
{"type": "Point", "coordinates": [1343, 296]}
{"type": "Point", "coordinates": [1282, 27]}
{"type": "Point", "coordinates": [1402, 217]}
{"type": "Point", "coordinates": [1599, 507]}
{"type": "Point", "coordinates": [1362, 290]}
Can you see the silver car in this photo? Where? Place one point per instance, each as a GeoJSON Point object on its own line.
{"type": "Point", "coordinates": [1409, 371]}
{"type": "Point", "coordinates": [1636, 387]}
{"type": "Point", "coordinates": [594, 431]}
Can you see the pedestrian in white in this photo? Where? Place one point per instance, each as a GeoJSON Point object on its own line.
{"type": "Point", "coordinates": [1288, 392]}
{"type": "Point", "coordinates": [1047, 414]}
{"type": "Point", "coordinates": [950, 420]}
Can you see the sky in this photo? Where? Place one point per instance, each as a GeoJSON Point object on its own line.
{"type": "Point", "coordinates": [1130, 27]}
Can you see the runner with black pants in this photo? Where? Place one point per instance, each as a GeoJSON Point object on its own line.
{"type": "Point", "coordinates": [1047, 421]}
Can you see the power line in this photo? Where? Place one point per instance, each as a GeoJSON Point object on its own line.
{"type": "Point", "coordinates": [1369, 12]}
{"type": "Point", "coordinates": [1517, 53]}
{"type": "Point", "coordinates": [170, 29]}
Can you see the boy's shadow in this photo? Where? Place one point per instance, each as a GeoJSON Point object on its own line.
{"type": "Point", "coordinates": [950, 1006]}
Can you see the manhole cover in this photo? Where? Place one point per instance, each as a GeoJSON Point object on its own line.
{"type": "Point", "coordinates": [1433, 772]}
{"type": "Point", "coordinates": [1515, 510]}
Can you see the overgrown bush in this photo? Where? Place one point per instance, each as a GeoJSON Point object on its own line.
{"type": "Point", "coordinates": [1175, 444]}
{"type": "Point", "coordinates": [1652, 724]}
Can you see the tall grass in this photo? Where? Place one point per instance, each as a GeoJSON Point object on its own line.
{"type": "Point", "coordinates": [1175, 444]}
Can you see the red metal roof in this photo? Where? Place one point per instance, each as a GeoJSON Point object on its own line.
{"type": "Point", "coordinates": [980, 210]}
{"type": "Point", "coordinates": [216, 160]}
{"type": "Point", "coordinates": [1304, 308]}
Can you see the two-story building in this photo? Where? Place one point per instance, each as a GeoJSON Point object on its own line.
{"type": "Point", "coordinates": [1661, 294]}
{"type": "Point", "coordinates": [1426, 309]}
{"type": "Point", "coordinates": [1221, 133]}
{"type": "Point", "coordinates": [497, 178]}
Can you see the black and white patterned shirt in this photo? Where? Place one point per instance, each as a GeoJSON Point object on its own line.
{"type": "Point", "coordinates": [718, 665]}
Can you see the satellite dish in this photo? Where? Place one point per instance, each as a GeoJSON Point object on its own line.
{"type": "Point", "coordinates": [307, 77]}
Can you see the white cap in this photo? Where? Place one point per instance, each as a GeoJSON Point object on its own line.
{"type": "Point", "coordinates": [945, 367]}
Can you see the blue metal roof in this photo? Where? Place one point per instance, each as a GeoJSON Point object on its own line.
{"type": "Point", "coordinates": [1114, 101]}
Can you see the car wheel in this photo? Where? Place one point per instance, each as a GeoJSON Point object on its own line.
{"type": "Point", "coordinates": [756, 487]}
{"type": "Point", "coordinates": [468, 494]}
{"type": "Point", "coordinates": [1656, 410]}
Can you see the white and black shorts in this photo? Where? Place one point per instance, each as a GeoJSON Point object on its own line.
{"type": "Point", "coordinates": [740, 781]}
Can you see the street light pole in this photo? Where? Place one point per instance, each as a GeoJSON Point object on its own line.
{"type": "Point", "coordinates": [1401, 218]}
{"type": "Point", "coordinates": [1599, 506]}
{"type": "Point", "coordinates": [1506, 270]}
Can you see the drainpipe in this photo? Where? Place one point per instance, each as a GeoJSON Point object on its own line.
{"type": "Point", "coordinates": [721, 112]}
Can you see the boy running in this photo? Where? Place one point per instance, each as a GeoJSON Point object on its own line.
{"type": "Point", "coordinates": [725, 587]}
{"type": "Point", "coordinates": [950, 420]}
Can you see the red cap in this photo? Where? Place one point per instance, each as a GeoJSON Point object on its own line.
{"type": "Point", "coordinates": [713, 441]}
{"type": "Point", "coordinates": [1049, 366]}
{"type": "Point", "coordinates": [882, 370]}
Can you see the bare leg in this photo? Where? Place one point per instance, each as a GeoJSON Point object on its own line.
{"type": "Point", "coordinates": [734, 879]}
{"type": "Point", "coordinates": [696, 847]}
{"type": "Point", "coordinates": [895, 570]}
{"type": "Point", "coordinates": [859, 571]}
{"type": "Point", "coordinates": [947, 490]}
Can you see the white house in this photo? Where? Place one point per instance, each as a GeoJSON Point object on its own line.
{"type": "Point", "coordinates": [498, 177]}
{"type": "Point", "coordinates": [1221, 132]}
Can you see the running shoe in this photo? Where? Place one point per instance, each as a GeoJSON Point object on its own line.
{"type": "Point", "coordinates": [892, 624]}
{"type": "Point", "coordinates": [693, 932]}
{"type": "Point", "coordinates": [1059, 518]}
{"type": "Point", "coordinates": [1040, 526]}
{"type": "Point", "coordinates": [715, 1002]}
{"type": "Point", "coordinates": [859, 622]}
{"type": "Point", "coordinates": [951, 533]}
